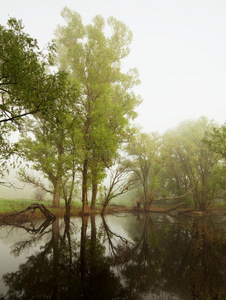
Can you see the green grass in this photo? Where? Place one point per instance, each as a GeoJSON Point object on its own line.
{"type": "Point", "coordinates": [220, 205]}
{"type": "Point", "coordinates": [9, 206]}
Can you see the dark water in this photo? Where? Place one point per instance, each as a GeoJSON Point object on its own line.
{"type": "Point", "coordinates": [150, 256]}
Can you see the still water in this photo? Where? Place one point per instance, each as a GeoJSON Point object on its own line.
{"type": "Point", "coordinates": [126, 256]}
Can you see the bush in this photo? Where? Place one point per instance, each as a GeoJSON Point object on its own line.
{"type": "Point", "coordinates": [39, 195]}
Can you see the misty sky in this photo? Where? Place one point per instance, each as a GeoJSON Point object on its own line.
{"type": "Point", "coordinates": [179, 49]}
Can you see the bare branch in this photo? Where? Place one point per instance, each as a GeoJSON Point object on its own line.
{"type": "Point", "coordinates": [11, 185]}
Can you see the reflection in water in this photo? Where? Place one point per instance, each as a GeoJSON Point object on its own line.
{"type": "Point", "coordinates": [144, 257]}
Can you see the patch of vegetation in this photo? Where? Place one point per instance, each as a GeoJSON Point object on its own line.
{"type": "Point", "coordinates": [10, 206]}
{"type": "Point", "coordinates": [7, 206]}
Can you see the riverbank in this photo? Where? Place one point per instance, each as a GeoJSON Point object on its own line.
{"type": "Point", "coordinates": [5, 217]}
{"type": "Point", "coordinates": [9, 207]}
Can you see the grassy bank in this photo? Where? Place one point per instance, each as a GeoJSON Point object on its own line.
{"type": "Point", "coordinates": [10, 206]}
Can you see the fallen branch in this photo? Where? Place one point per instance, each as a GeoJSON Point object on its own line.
{"type": "Point", "coordinates": [48, 214]}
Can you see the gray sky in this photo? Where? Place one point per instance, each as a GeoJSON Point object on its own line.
{"type": "Point", "coordinates": [179, 49]}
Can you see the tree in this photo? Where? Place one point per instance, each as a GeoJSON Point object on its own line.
{"type": "Point", "coordinates": [25, 86]}
{"type": "Point", "coordinates": [49, 142]}
{"type": "Point", "coordinates": [93, 58]}
{"type": "Point", "coordinates": [192, 164]}
{"type": "Point", "coordinates": [146, 164]}
{"type": "Point", "coordinates": [121, 182]}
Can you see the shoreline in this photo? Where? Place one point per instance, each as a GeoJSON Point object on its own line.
{"type": "Point", "coordinates": [6, 217]}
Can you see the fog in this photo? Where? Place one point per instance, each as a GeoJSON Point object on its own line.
{"type": "Point", "coordinates": [18, 190]}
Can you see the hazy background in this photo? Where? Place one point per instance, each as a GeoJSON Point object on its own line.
{"type": "Point", "coordinates": [178, 48]}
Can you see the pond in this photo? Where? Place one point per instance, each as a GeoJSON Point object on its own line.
{"type": "Point", "coordinates": [124, 256]}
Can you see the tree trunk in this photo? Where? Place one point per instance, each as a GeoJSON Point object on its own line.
{"type": "Point", "coordinates": [56, 194]}
{"type": "Point", "coordinates": [94, 195]}
{"type": "Point", "coordinates": [147, 205]}
{"type": "Point", "coordinates": [196, 199]}
{"type": "Point", "coordinates": [103, 210]}
{"type": "Point", "coordinates": [85, 207]}
{"type": "Point", "coordinates": [146, 198]}
{"type": "Point", "coordinates": [57, 183]}
{"type": "Point", "coordinates": [203, 208]}
{"type": "Point", "coordinates": [67, 211]}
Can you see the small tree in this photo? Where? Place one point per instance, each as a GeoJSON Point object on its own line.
{"type": "Point", "coordinates": [146, 164]}
{"type": "Point", "coordinates": [121, 181]}
{"type": "Point", "coordinates": [39, 194]}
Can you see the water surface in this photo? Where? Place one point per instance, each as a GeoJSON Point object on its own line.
{"type": "Point", "coordinates": [126, 256]}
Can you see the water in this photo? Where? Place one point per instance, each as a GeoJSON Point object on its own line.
{"type": "Point", "coordinates": [126, 256]}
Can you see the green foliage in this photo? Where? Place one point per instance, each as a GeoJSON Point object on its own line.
{"type": "Point", "coordinates": [82, 126]}
{"type": "Point", "coordinates": [146, 164]}
{"type": "Point", "coordinates": [9, 206]}
{"type": "Point", "coordinates": [191, 164]}
{"type": "Point", "coordinates": [5, 148]}
{"type": "Point", "coordinates": [93, 59]}
{"type": "Point", "coordinates": [51, 142]}
{"type": "Point", "coordinates": [25, 88]}
{"type": "Point", "coordinates": [216, 139]}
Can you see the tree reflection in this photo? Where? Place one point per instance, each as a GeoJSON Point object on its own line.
{"type": "Point", "coordinates": [183, 259]}
{"type": "Point", "coordinates": [66, 269]}
{"type": "Point", "coordinates": [208, 244]}
{"type": "Point", "coordinates": [160, 254]}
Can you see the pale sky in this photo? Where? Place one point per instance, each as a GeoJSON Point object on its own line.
{"type": "Point", "coordinates": [179, 49]}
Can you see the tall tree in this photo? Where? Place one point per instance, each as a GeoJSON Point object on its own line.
{"type": "Point", "coordinates": [93, 57]}
{"type": "Point", "coordinates": [50, 143]}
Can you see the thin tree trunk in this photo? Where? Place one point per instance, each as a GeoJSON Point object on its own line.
{"type": "Point", "coordinates": [203, 194]}
{"type": "Point", "coordinates": [94, 195]}
{"type": "Point", "coordinates": [57, 184]}
{"type": "Point", "coordinates": [103, 209]}
{"type": "Point", "coordinates": [85, 208]}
